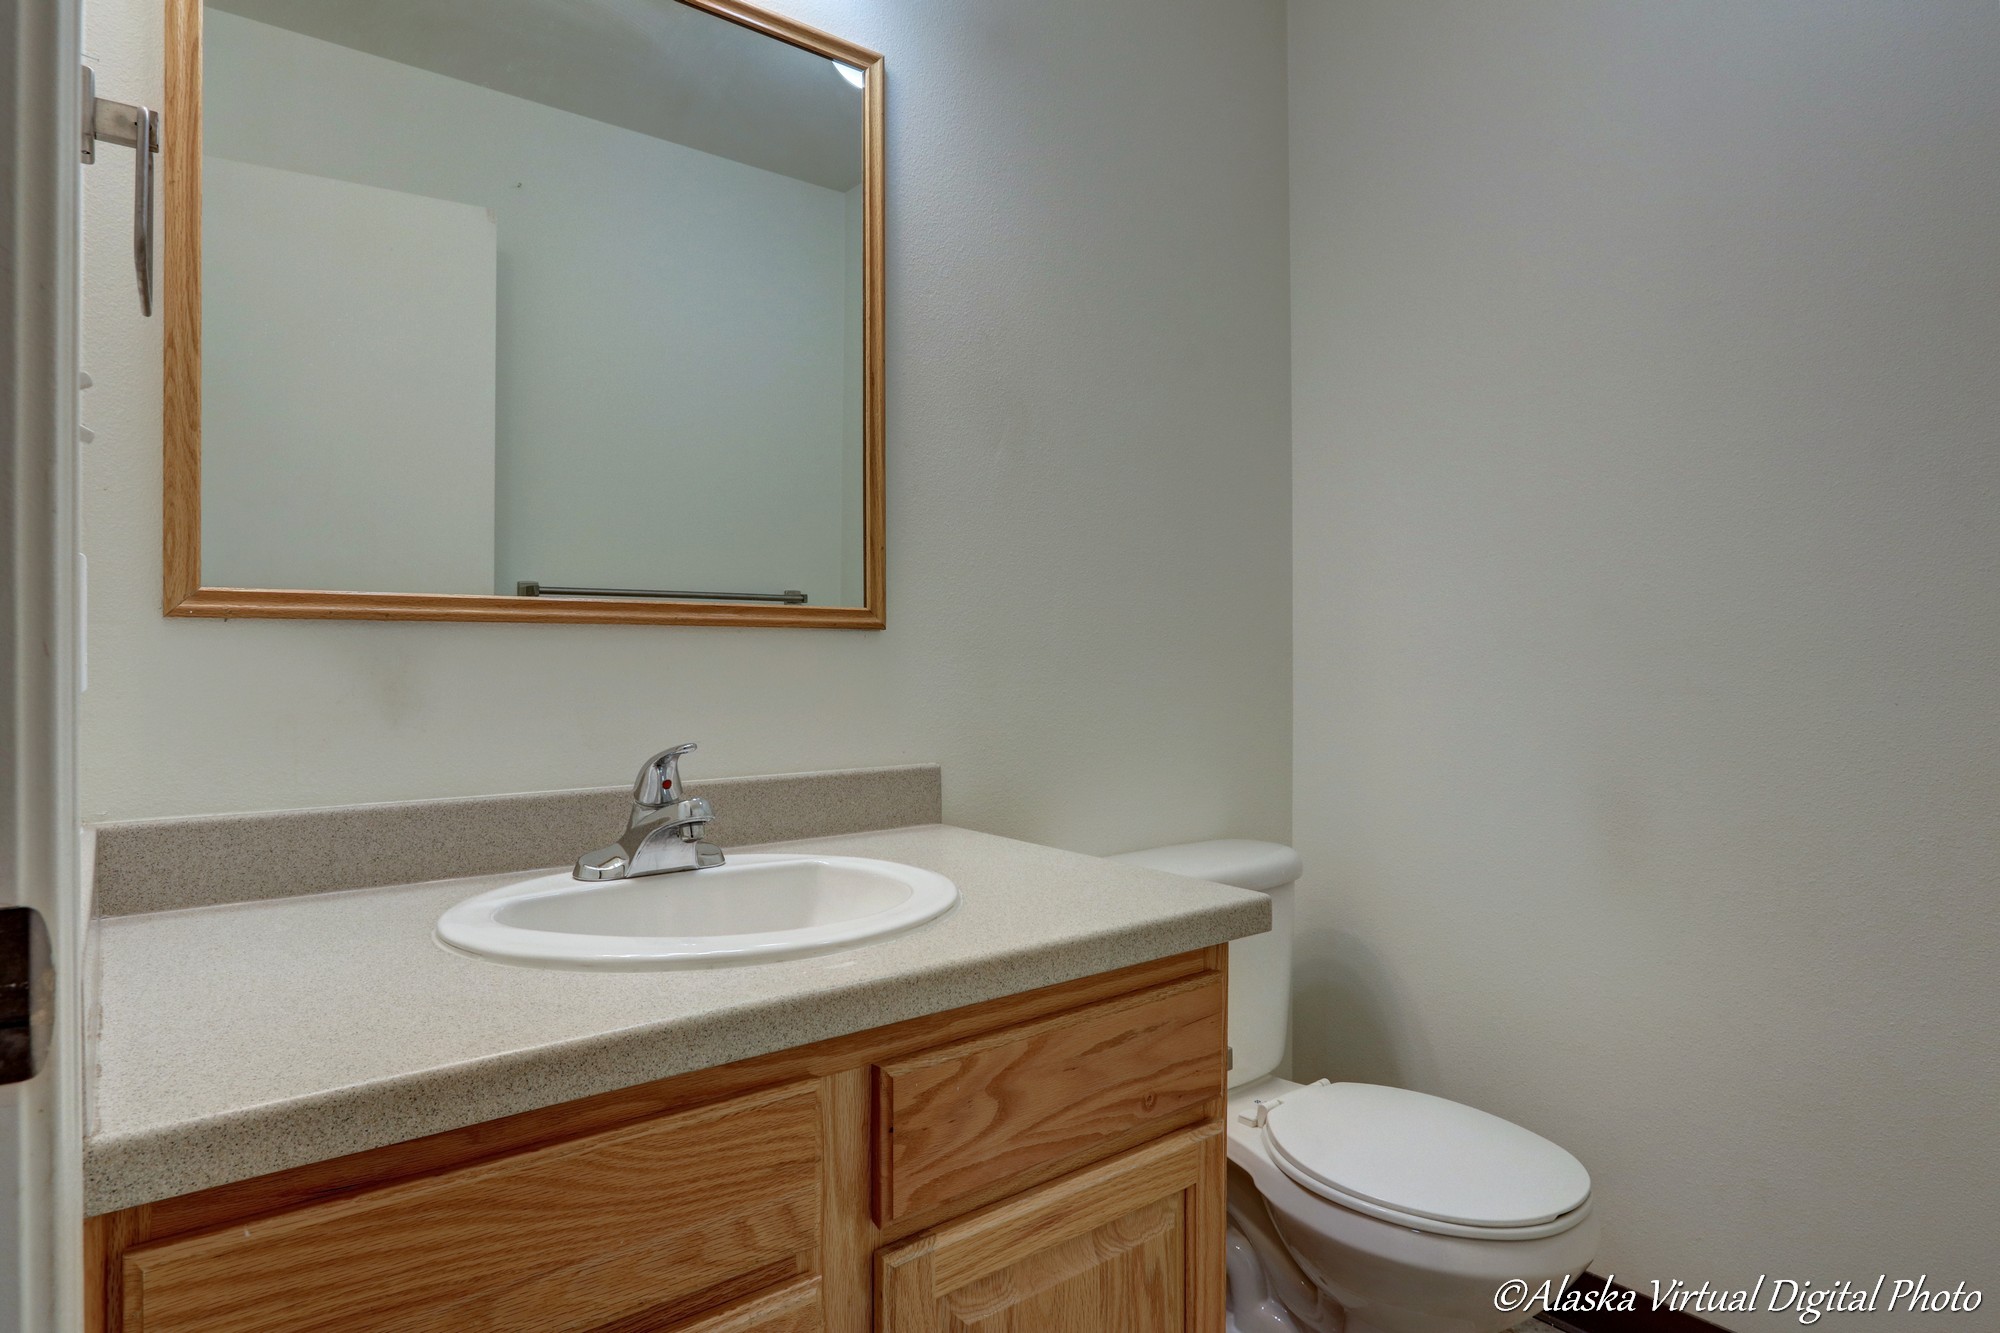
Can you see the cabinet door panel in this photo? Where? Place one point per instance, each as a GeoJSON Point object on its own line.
{"type": "Point", "coordinates": [570, 1237]}
{"type": "Point", "coordinates": [1124, 1274]}
{"type": "Point", "coordinates": [1131, 1246]}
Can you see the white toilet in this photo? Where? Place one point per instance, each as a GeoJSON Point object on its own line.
{"type": "Point", "coordinates": [1363, 1208]}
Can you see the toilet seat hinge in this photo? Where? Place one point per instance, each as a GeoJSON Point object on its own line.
{"type": "Point", "coordinates": [1260, 1113]}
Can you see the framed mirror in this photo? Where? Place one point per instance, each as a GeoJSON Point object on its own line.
{"type": "Point", "coordinates": [522, 310]}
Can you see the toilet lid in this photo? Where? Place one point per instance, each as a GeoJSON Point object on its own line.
{"type": "Point", "coordinates": [1422, 1156]}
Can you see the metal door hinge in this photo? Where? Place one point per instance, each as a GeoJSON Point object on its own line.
{"type": "Point", "coordinates": [137, 128]}
{"type": "Point", "coordinates": [27, 993]}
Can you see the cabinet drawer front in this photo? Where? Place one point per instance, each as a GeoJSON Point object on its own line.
{"type": "Point", "coordinates": [576, 1235]}
{"type": "Point", "coordinates": [956, 1121]}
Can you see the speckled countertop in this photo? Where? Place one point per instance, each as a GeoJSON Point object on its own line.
{"type": "Point", "coordinates": [247, 1038]}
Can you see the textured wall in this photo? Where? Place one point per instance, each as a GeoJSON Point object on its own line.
{"type": "Point", "coordinates": [1088, 469]}
{"type": "Point", "coordinates": [1648, 606]}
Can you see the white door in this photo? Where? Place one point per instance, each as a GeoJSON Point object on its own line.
{"type": "Point", "coordinates": [40, 1116]}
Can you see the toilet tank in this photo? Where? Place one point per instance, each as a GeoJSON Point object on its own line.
{"type": "Point", "coordinates": [1260, 966]}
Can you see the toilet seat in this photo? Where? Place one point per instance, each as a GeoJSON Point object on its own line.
{"type": "Point", "coordinates": [1424, 1162]}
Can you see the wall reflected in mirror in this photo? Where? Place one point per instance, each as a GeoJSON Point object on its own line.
{"type": "Point", "coordinates": [506, 292]}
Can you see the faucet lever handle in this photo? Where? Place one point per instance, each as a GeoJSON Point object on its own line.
{"type": "Point", "coordinates": [659, 781]}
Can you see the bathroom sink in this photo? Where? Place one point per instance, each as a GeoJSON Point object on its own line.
{"type": "Point", "coordinates": [751, 909]}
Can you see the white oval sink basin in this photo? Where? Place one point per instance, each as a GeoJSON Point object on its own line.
{"type": "Point", "coordinates": [751, 909]}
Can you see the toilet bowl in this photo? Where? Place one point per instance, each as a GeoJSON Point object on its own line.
{"type": "Point", "coordinates": [1356, 1208]}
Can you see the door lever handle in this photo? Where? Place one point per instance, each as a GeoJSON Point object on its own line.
{"type": "Point", "coordinates": [137, 128]}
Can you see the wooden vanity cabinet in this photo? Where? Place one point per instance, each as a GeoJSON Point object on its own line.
{"type": "Point", "coordinates": [1048, 1161]}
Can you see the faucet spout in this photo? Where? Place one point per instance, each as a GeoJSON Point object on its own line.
{"type": "Point", "coordinates": [664, 833]}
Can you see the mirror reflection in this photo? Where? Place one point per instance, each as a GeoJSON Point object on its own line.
{"type": "Point", "coordinates": [513, 296]}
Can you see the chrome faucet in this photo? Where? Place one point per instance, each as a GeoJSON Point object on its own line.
{"type": "Point", "coordinates": [664, 834]}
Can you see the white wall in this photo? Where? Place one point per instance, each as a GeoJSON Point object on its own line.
{"type": "Point", "coordinates": [1648, 605]}
{"type": "Point", "coordinates": [347, 385]}
{"type": "Point", "coordinates": [1088, 464]}
{"type": "Point", "coordinates": [672, 407]}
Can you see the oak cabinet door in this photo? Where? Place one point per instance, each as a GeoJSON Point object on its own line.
{"type": "Point", "coordinates": [624, 1229]}
{"type": "Point", "coordinates": [1130, 1246]}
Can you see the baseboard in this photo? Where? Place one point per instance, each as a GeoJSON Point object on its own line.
{"type": "Point", "coordinates": [1641, 1318]}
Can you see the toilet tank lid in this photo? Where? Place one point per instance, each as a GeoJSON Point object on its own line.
{"type": "Point", "coordinates": [1239, 861]}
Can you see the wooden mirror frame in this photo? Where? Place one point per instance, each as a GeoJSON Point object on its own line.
{"type": "Point", "coordinates": [184, 593]}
